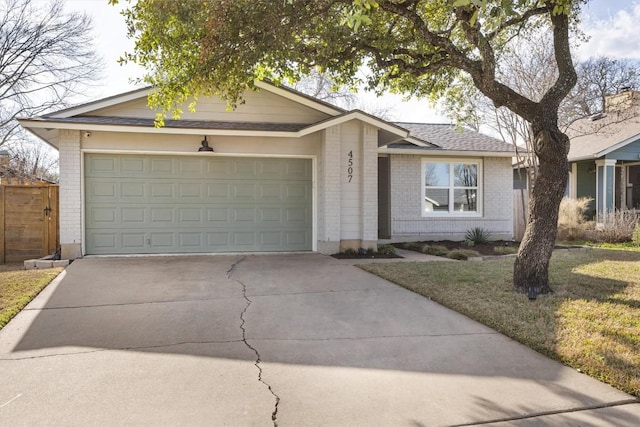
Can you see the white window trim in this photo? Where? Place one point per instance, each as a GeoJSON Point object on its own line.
{"type": "Point", "coordinates": [452, 214]}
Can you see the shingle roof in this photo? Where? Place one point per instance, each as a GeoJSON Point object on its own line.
{"type": "Point", "coordinates": [185, 124]}
{"type": "Point", "coordinates": [592, 138]}
{"type": "Point", "coordinates": [451, 137]}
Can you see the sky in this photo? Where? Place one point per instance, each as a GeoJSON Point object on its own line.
{"type": "Point", "coordinates": [611, 25]}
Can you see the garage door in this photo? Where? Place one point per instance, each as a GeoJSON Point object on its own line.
{"type": "Point", "coordinates": [180, 204]}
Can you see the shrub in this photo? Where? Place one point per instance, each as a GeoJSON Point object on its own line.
{"type": "Point", "coordinates": [437, 250]}
{"type": "Point", "coordinates": [478, 236]}
{"type": "Point", "coordinates": [370, 252]}
{"type": "Point", "coordinates": [387, 249]}
{"type": "Point", "coordinates": [635, 238]}
{"type": "Point", "coordinates": [618, 226]}
{"type": "Point", "coordinates": [462, 254]}
{"type": "Point", "coordinates": [572, 223]}
{"type": "Point", "coordinates": [413, 246]}
{"type": "Point", "coordinates": [350, 252]}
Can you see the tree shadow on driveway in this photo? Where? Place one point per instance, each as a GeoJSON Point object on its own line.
{"type": "Point", "coordinates": [321, 333]}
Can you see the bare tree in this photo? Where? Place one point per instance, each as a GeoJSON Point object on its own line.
{"type": "Point", "coordinates": [46, 59]}
{"type": "Point", "coordinates": [321, 86]}
{"type": "Point", "coordinates": [32, 160]}
{"type": "Point", "coordinates": [599, 78]}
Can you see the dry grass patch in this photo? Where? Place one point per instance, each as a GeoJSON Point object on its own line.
{"type": "Point", "coordinates": [18, 287]}
{"type": "Point", "coordinates": [591, 322]}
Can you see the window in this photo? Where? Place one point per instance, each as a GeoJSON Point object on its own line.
{"type": "Point", "coordinates": [451, 187]}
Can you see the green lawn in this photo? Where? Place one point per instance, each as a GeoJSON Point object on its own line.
{"type": "Point", "coordinates": [591, 322]}
{"type": "Point", "coordinates": [19, 286]}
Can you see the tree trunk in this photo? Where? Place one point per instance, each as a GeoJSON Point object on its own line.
{"type": "Point", "coordinates": [531, 268]}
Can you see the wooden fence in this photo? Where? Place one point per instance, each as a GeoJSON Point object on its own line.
{"type": "Point", "coordinates": [520, 212]}
{"type": "Point", "coordinates": [28, 222]}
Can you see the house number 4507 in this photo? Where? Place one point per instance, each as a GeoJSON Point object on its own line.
{"type": "Point", "coordinates": [350, 166]}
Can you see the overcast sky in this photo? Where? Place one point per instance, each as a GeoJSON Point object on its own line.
{"type": "Point", "coordinates": [612, 27]}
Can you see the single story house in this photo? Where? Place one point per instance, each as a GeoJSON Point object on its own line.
{"type": "Point", "coordinates": [605, 156]}
{"type": "Point", "coordinates": [282, 172]}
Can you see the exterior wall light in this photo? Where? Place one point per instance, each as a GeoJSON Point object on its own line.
{"type": "Point", "coordinates": [205, 145]}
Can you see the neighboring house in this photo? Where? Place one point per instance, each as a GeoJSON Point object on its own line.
{"type": "Point", "coordinates": [289, 173]}
{"type": "Point", "coordinates": [605, 156]}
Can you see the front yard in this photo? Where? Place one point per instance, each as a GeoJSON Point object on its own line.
{"type": "Point", "coordinates": [591, 322]}
{"type": "Point", "coordinates": [19, 286]}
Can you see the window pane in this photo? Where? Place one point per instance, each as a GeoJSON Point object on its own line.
{"type": "Point", "coordinates": [436, 200]}
{"type": "Point", "coordinates": [465, 200]}
{"type": "Point", "coordinates": [436, 174]}
{"type": "Point", "coordinates": [465, 175]}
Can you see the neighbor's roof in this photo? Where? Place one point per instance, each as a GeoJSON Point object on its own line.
{"type": "Point", "coordinates": [591, 139]}
{"type": "Point", "coordinates": [451, 137]}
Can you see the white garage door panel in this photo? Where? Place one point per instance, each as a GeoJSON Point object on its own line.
{"type": "Point", "coordinates": [157, 204]}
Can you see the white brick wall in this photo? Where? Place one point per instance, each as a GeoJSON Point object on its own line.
{"type": "Point", "coordinates": [369, 186]}
{"type": "Point", "coordinates": [351, 189]}
{"type": "Point", "coordinates": [70, 187]}
{"type": "Point", "coordinates": [329, 187]}
{"type": "Point", "coordinates": [348, 209]}
{"type": "Point", "coordinates": [406, 205]}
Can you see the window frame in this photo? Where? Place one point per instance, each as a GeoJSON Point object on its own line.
{"type": "Point", "coordinates": [451, 188]}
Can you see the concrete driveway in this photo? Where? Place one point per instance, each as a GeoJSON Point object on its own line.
{"type": "Point", "coordinates": [295, 340]}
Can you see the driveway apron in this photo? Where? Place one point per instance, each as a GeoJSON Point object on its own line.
{"type": "Point", "coordinates": [288, 340]}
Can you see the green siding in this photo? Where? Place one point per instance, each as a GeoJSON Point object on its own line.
{"type": "Point", "coordinates": [184, 204]}
{"type": "Point", "coordinates": [586, 180]}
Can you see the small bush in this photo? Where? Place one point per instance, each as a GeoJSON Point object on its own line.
{"type": "Point", "coordinates": [477, 235]}
{"type": "Point", "coordinates": [413, 246]}
{"type": "Point", "coordinates": [505, 250]}
{"type": "Point", "coordinates": [462, 254]}
{"type": "Point", "coordinates": [572, 223]}
{"type": "Point", "coordinates": [387, 249]}
{"type": "Point", "coordinates": [350, 252]}
{"type": "Point", "coordinates": [437, 250]}
{"type": "Point", "coordinates": [618, 226]}
{"type": "Point", "coordinates": [370, 252]}
{"type": "Point", "coordinates": [635, 238]}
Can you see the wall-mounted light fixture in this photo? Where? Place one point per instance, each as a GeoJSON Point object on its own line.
{"type": "Point", "coordinates": [205, 145]}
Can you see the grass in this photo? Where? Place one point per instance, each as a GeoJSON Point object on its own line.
{"type": "Point", "coordinates": [18, 287]}
{"type": "Point", "coordinates": [591, 322]}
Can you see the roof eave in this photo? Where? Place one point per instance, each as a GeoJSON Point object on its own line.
{"type": "Point", "coordinates": [101, 103]}
{"type": "Point", "coordinates": [299, 97]}
{"type": "Point", "coordinates": [31, 124]}
{"type": "Point", "coordinates": [441, 152]}
{"type": "Point", "coordinates": [356, 115]}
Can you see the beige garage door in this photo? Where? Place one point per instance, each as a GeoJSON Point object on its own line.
{"type": "Point", "coordinates": [182, 204]}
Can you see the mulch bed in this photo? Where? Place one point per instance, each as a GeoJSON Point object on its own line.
{"type": "Point", "coordinates": [484, 249]}
{"type": "Point", "coordinates": [379, 256]}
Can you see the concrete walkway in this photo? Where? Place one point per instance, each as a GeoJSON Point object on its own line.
{"type": "Point", "coordinates": [297, 340]}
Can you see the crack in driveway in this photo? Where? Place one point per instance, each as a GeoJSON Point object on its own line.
{"type": "Point", "coordinates": [230, 271]}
